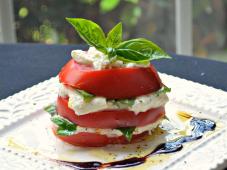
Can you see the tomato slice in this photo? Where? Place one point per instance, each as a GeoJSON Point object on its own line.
{"type": "Point", "coordinates": [109, 118]}
{"type": "Point", "coordinates": [116, 83]}
{"type": "Point", "coordinates": [87, 139]}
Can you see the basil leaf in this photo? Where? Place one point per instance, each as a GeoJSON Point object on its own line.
{"type": "Point", "coordinates": [114, 37]}
{"type": "Point", "coordinates": [127, 132]}
{"type": "Point", "coordinates": [90, 32]}
{"type": "Point", "coordinates": [63, 123]}
{"type": "Point", "coordinates": [131, 55]}
{"type": "Point", "coordinates": [65, 127]}
{"type": "Point", "coordinates": [145, 62]}
{"type": "Point", "coordinates": [128, 102]}
{"type": "Point", "coordinates": [51, 109]}
{"type": "Point", "coordinates": [140, 50]}
{"type": "Point", "coordinates": [65, 132]}
{"type": "Point", "coordinates": [87, 96]}
{"type": "Point", "coordinates": [164, 89]}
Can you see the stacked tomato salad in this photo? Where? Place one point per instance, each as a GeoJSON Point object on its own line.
{"type": "Point", "coordinates": [109, 94]}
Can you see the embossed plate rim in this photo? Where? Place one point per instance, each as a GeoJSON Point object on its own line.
{"type": "Point", "coordinates": [183, 96]}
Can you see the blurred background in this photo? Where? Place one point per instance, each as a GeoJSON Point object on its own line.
{"type": "Point", "coordinates": [190, 27]}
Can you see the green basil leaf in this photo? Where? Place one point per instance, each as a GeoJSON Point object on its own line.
{"type": "Point", "coordinates": [90, 32]}
{"type": "Point", "coordinates": [65, 127]}
{"type": "Point", "coordinates": [87, 96]}
{"type": "Point", "coordinates": [128, 102]}
{"type": "Point", "coordinates": [63, 123]}
{"type": "Point", "coordinates": [140, 50]}
{"type": "Point", "coordinates": [65, 132]}
{"type": "Point", "coordinates": [127, 132]}
{"type": "Point", "coordinates": [164, 89]}
{"type": "Point", "coordinates": [130, 54]}
{"type": "Point", "coordinates": [114, 37]}
{"type": "Point", "coordinates": [144, 62]}
{"type": "Point", "coordinates": [51, 109]}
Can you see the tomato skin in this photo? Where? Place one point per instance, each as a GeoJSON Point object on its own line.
{"type": "Point", "coordinates": [109, 119]}
{"type": "Point", "coordinates": [87, 139]}
{"type": "Point", "coordinates": [116, 83]}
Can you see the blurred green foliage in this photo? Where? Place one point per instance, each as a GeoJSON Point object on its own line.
{"type": "Point", "coordinates": [23, 12]}
{"type": "Point", "coordinates": [43, 21]}
{"type": "Point", "coordinates": [209, 28]}
{"type": "Point", "coordinates": [108, 5]}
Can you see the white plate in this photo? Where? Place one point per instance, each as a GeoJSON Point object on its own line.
{"type": "Point", "coordinates": [26, 141]}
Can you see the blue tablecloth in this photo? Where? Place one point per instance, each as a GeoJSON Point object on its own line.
{"type": "Point", "coordinates": [23, 65]}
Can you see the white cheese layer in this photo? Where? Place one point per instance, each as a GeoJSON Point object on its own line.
{"type": "Point", "coordinates": [99, 60]}
{"type": "Point", "coordinates": [115, 132]}
{"type": "Point", "coordinates": [141, 103]}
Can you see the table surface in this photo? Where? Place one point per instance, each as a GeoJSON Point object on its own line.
{"type": "Point", "coordinates": [24, 65]}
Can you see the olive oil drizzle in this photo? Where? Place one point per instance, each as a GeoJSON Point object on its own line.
{"type": "Point", "coordinates": [200, 126]}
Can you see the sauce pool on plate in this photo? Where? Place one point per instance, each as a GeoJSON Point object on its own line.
{"type": "Point", "coordinates": [200, 126]}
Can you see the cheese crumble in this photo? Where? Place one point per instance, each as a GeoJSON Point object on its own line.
{"type": "Point", "coordinates": [99, 60]}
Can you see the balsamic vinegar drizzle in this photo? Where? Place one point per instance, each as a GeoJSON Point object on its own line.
{"type": "Point", "coordinates": [200, 126]}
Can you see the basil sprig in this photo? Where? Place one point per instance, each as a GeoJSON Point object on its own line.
{"type": "Point", "coordinates": [90, 32]}
{"type": "Point", "coordinates": [65, 127]}
{"type": "Point", "coordinates": [114, 37]}
{"type": "Point", "coordinates": [51, 109]}
{"type": "Point", "coordinates": [127, 132]}
{"type": "Point", "coordinates": [127, 102]}
{"type": "Point", "coordinates": [163, 89]}
{"type": "Point", "coordinates": [86, 96]}
{"type": "Point", "coordinates": [139, 50]}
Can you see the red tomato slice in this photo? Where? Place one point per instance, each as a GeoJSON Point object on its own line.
{"type": "Point", "coordinates": [110, 118]}
{"type": "Point", "coordinates": [116, 83]}
{"type": "Point", "coordinates": [86, 139]}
